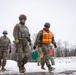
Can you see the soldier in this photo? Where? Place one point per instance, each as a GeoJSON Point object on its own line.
{"type": "Point", "coordinates": [4, 45]}
{"type": "Point", "coordinates": [22, 37]}
{"type": "Point", "coordinates": [44, 38]}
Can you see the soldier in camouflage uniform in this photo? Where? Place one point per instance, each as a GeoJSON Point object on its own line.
{"type": "Point", "coordinates": [44, 38]}
{"type": "Point", "coordinates": [4, 45]}
{"type": "Point", "coordinates": [22, 37]}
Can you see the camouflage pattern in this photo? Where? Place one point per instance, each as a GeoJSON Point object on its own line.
{"type": "Point", "coordinates": [52, 59]}
{"type": "Point", "coordinates": [51, 55]}
{"type": "Point", "coordinates": [21, 33]}
{"type": "Point", "coordinates": [45, 48]}
{"type": "Point", "coordinates": [22, 51]}
{"type": "Point", "coordinates": [4, 45]}
{"type": "Point", "coordinates": [39, 58]}
{"type": "Point", "coordinates": [3, 55]}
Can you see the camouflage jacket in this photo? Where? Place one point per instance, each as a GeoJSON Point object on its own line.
{"type": "Point", "coordinates": [17, 32]}
{"type": "Point", "coordinates": [4, 42]}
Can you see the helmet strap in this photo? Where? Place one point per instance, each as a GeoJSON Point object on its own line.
{"type": "Point", "coordinates": [22, 23]}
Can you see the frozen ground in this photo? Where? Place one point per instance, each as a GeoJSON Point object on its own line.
{"type": "Point", "coordinates": [63, 66]}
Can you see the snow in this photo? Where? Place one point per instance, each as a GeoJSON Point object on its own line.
{"type": "Point", "coordinates": [61, 65]}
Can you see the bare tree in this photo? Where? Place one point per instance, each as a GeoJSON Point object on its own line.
{"type": "Point", "coordinates": [58, 51]}
{"type": "Point", "coordinates": [34, 38]}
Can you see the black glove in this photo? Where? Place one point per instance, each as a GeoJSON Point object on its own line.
{"type": "Point", "coordinates": [55, 45]}
{"type": "Point", "coordinates": [10, 51]}
{"type": "Point", "coordinates": [34, 47]}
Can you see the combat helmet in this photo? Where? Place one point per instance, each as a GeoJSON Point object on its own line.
{"type": "Point", "coordinates": [47, 24]}
{"type": "Point", "coordinates": [5, 32]}
{"type": "Point", "coordinates": [22, 16]}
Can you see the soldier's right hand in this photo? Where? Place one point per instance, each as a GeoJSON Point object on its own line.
{"type": "Point", "coordinates": [55, 45]}
{"type": "Point", "coordinates": [34, 47]}
{"type": "Point", "coordinates": [17, 41]}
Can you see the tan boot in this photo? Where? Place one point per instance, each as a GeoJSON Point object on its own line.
{"type": "Point", "coordinates": [50, 68]}
{"type": "Point", "coordinates": [20, 69]}
{"type": "Point", "coordinates": [42, 67]}
{"type": "Point", "coordinates": [38, 64]}
{"type": "Point", "coordinates": [23, 68]}
{"type": "Point", "coordinates": [3, 68]}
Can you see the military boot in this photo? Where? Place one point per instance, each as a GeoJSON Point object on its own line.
{"type": "Point", "coordinates": [23, 68]}
{"type": "Point", "coordinates": [20, 69]}
{"type": "Point", "coordinates": [50, 68]}
{"type": "Point", "coordinates": [42, 67]}
{"type": "Point", "coordinates": [38, 64]}
{"type": "Point", "coordinates": [3, 68]}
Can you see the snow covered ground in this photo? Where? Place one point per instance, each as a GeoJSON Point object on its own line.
{"type": "Point", "coordinates": [61, 65]}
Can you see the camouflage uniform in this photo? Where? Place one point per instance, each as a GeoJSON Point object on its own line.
{"type": "Point", "coordinates": [39, 58]}
{"type": "Point", "coordinates": [4, 45]}
{"type": "Point", "coordinates": [21, 33]}
{"type": "Point", "coordinates": [51, 56]}
{"type": "Point", "coordinates": [45, 49]}
{"type": "Point", "coordinates": [52, 60]}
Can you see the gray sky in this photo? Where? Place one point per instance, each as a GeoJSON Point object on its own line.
{"type": "Point", "coordinates": [60, 13]}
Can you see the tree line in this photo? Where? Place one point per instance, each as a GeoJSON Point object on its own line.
{"type": "Point", "coordinates": [64, 50]}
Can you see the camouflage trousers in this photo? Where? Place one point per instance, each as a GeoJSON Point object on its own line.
{"type": "Point", "coordinates": [22, 51]}
{"type": "Point", "coordinates": [45, 51]}
{"type": "Point", "coordinates": [52, 60]}
{"type": "Point", "coordinates": [3, 56]}
{"type": "Point", "coordinates": [39, 58]}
